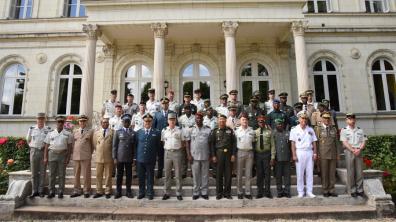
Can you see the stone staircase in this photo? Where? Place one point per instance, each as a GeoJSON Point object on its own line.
{"type": "Point", "coordinates": [341, 207]}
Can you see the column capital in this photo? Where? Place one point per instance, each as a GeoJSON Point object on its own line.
{"type": "Point", "coordinates": [92, 31]}
{"type": "Point", "coordinates": [298, 27]}
{"type": "Point", "coordinates": [109, 50]}
{"type": "Point", "coordinates": [229, 28]}
{"type": "Point", "coordinates": [160, 29]}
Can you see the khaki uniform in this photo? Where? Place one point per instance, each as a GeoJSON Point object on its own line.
{"type": "Point", "coordinates": [58, 153]}
{"type": "Point", "coordinates": [316, 119]}
{"type": "Point", "coordinates": [354, 164]}
{"type": "Point", "coordinates": [245, 157]}
{"type": "Point", "coordinates": [82, 154]}
{"type": "Point", "coordinates": [102, 141]}
{"type": "Point", "coordinates": [328, 152]}
{"type": "Point", "coordinates": [35, 138]}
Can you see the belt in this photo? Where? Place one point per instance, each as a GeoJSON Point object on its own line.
{"type": "Point", "coordinates": [38, 148]}
{"type": "Point", "coordinates": [225, 150]}
{"type": "Point", "coordinates": [304, 149]}
{"type": "Point", "coordinates": [58, 151]}
{"type": "Point", "coordinates": [245, 150]}
{"type": "Point", "coordinates": [173, 150]}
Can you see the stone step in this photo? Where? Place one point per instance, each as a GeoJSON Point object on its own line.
{"type": "Point", "coordinates": [189, 203]}
{"type": "Point", "coordinates": [187, 190]}
{"type": "Point", "coordinates": [351, 212]}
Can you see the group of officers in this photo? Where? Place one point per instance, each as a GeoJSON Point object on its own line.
{"type": "Point", "coordinates": [229, 139]}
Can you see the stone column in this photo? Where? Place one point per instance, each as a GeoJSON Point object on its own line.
{"type": "Point", "coordinates": [87, 84]}
{"type": "Point", "coordinates": [160, 31]}
{"type": "Point", "coordinates": [298, 29]}
{"type": "Point", "coordinates": [229, 29]}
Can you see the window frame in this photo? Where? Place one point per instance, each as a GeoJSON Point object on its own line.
{"type": "Point", "coordinates": [384, 4]}
{"type": "Point", "coordinates": [196, 78]}
{"type": "Point", "coordinates": [139, 79]}
{"type": "Point", "coordinates": [67, 10]}
{"type": "Point", "coordinates": [325, 73]}
{"type": "Point", "coordinates": [2, 81]}
{"type": "Point", "coordinates": [70, 79]}
{"type": "Point", "coordinates": [254, 78]}
{"type": "Point", "coordinates": [316, 8]}
{"type": "Point", "coordinates": [385, 88]}
{"type": "Point", "coordinates": [15, 4]}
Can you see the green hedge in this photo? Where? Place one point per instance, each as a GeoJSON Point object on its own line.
{"type": "Point", "coordinates": [14, 156]}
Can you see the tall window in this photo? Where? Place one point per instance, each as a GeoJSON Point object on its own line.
{"type": "Point", "coordinates": [196, 76]}
{"type": "Point", "coordinates": [69, 90]}
{"type": "Point", "coordinates": [74, 8]}
{"type": "Point", "coordinates": [254, 76]}
{"type": "Point", "coordinates": [137, 81]}
{"type": "Point", "coordinates": [384, 83]}
{"type": "Point", "coordinates": [21, 9]}
{"type": "Point", "coordinates": [326, 84]}
{"type": "Point", "coordinates": [12, 88]}
{"type": "Point", "coordinates": [318, 6]}
{"type": "Point", "coordinates": [375, 6]}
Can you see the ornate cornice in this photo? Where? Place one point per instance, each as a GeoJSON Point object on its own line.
{"type": "Point", "coordinates": [160, 30]}
{"type": "Point", "coordinates": [298, 27]}
{"type": "Point", "coordinates": [91, 30]}
{"type": "Point", "coordinates": [229, 28]}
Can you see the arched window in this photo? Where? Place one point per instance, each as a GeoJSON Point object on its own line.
{"type": "Point", "coordinates": [326, 83]}
{"type": "Point", "coordinates": [384, 84]}
{"type": "Point", "coordinates": [69, 90]}
{"type": "Point", "coordinates": [12, 89]}
{"type": "Point", "coordinates": [137, 81]}
{"type": "Point", "coordinates": [196, 76]}
{"type": "Point", "coordinates": [254, 76]}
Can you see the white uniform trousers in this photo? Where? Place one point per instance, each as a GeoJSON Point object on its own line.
{"type": "Point", "coordinates": [304, 166]}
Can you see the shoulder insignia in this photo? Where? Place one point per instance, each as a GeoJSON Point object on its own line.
{"type": "Point", "coordinates": [358, 127]}
{"type": "Point", "coordinates": [32, 127]}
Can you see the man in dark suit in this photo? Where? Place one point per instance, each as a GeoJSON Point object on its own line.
{"type": "Point", "coordinates": [123, 148]}
{"type": "Point", "coordinates": [161, 122]}
{"type": "Point", "coordinates": [148, 142]}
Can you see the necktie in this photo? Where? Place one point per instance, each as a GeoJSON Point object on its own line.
{"type": "Point", "coordinates": [261, 139]}
{"type": "Point", "coordinates": [327, 131]}
{"type": "Point", "coordinates": [104, 132]}
{"type": "Point", "coordinates": [82, 131]}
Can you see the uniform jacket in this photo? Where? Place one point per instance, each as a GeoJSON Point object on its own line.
{"type": "Point", "coordinates": [147, 145]}
{"type": "Point", "coordinates": [124, 145]}
{"type": "Point", "coordinates": [82, 145]}
{"type": "Point", "coordinates": [103, 145]}
{"type": "Point", "coordinates": [161, 121]}
{"type": "Point", "coordinates": [327, 142]}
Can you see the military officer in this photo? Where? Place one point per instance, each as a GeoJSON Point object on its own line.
{"type": "Point", "coordinates": [187, 103]}
{"type": "Point", "coordinates": [316, 118]}
{"type": "Point", "coordinates": [327, 153]}
{"type": "Point", "coordinates": [82, 154]}
{"type": "Point", "coordinates": [276, 114]}
{"type": "Point", "coordinates": [253, 111]}
{"type": "Point", "coordinates": [197, 101]}
{"type": "Point", "coordinates": [198, 155]}
{"type": "Point", "coordinates": [173, 105]}
{"type": "Point", "coordinates": [258, 96]}
{"type": "Point", "coordinates": [264, 156]}
{"type": "Point", "coordinates": [148, 141]}
{"type": "Point", "coordinates": [115, 121]}
{"type": "Point", "coordinates": [210, 120]}
{"type": "Point", "coordinates": [57, 150]}
{"type": "Point", "coordinates": [109, 105]}
{"type": "Point", "coordinates": [223, 107]}
{"type": "Point", "coordinates": [309, 108]}
{"type": "Point", "coordinates": [269, 103]}
{"type": "Point", "coordinates": [293, 120]}
{"type": "Point", "coordinates": [187, 120]}
{"type": "Point", "coordinates": [102, 141]}
{"type": "Point", "coordinates": [123, 149]}
{"type": "Point", "coordinates": [130, 107]}
{"type": "Point", "coordinates": [282, 158]}
{"type": "Point", "coordinates": [160, 123]}
{"type": "Point", "coordinates": [354, 141]}
{"type": "Point", "coordinates": [173, 138]}
{"type": "Point", "coordinates": [35, 138]}
{"type": "Point", "coordinates": [245, 137]}
{"type": "Point", "coordinates": [333, 113]}
{"type": "Point", "coordinates": [152, 105]}
{"type": "Point", "coordinates": [303, 140]}
{"type": "Point", "coordinates": [137, 118]}
{"type": "Point", "coordinates": [234, 100]}
{"type": "Point", "coordinates": [223, 149]}
{"type": "Point", "coordinates": [233, 120]}
{"type": "Point", "coordinates": [283, 104]}
{"type": "Point", "coordinates": [310, 101]}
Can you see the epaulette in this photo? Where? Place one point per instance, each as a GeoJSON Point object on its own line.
{"type": "Point", "coordinates": [32, 127]}
{"type": "Point", "coordinates": [358, 127]}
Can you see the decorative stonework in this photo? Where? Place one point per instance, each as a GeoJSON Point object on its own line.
{"type": "Point", "coordinates": [92, 31]}
{"type": "Point", "coordinates": [41, 58]}
{"type": "Point", "coordinates": [299, 27]}
{"type": "Point", "coordinates": [160, 30]}
{"type": "Point", "coordinates": [229, 28]}
{"type": "Point", "coordinates": [109, 50]}
{"type": "Point", "coordinates": [100, 57]}
{"type": "Point", "coordinates": [355, 53]}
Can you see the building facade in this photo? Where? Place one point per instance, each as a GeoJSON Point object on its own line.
{"type": "Point", "coordinates": [65, 56]}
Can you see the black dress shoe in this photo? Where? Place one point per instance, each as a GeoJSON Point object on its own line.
{"type": "Point", "coordinates": [259, 196]}
{"type": "Point", "coordinates": [333, 195]}
{"type": "Point", "coordinates": [195, 197]}
{"type": "Point", "coordinates": [228, 197]}
{"type": "Point", "coordinates": [206, 197]}
{"type": "Point", "coordinates": [240, 196]}
{"type": "Point", "coordinates": [159, 175]}
{"type": "Point", "coordinates": [353, 195]}
{"type": "Point", "coordinates": [326, 194]}
{"type": "Point", "coordinates": [219, 197]}
{"type": "Point", "coordinates": [269, 195]}
{"type": "Point", "coordinates": [117, 196]}
{"type": "Point", "coordinates": [87, 195]}
{"type": "Point", "coordinates": [360, 194]}
{"type": "Point", "coordinates": [33, 195]}
{"type": "Point", "coordinates": [60, 195]}
{"type": "Point", "coordinates": [150, 197]}
{"type": "Point", "coordinates": [108, 196]}
{"type": "Point", "coordinates": [280, 195]}
{"type": "Point", "coordinates": [51, 195]}
{"type": "Point", "coordinates": [287, 195]}
{"type": "Point", "coordinates": [129, 194]}
{"type": "Point", "coordinates": [165, 197]}
{"type": "Point", "coordinates": [184, 176]}
{"type": "Point", "coordinates": [41, 195]}
{"type": "Point", "coordinates": [248, 197]}
{"type": "Point", "coordinates": [179, 197]}
{"type": "Point", "coordinates": [75, 195]}
{"type": "Point", "coordinates": [141, 196]}
{"type": "Point", "coordinates": [97, 195]}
